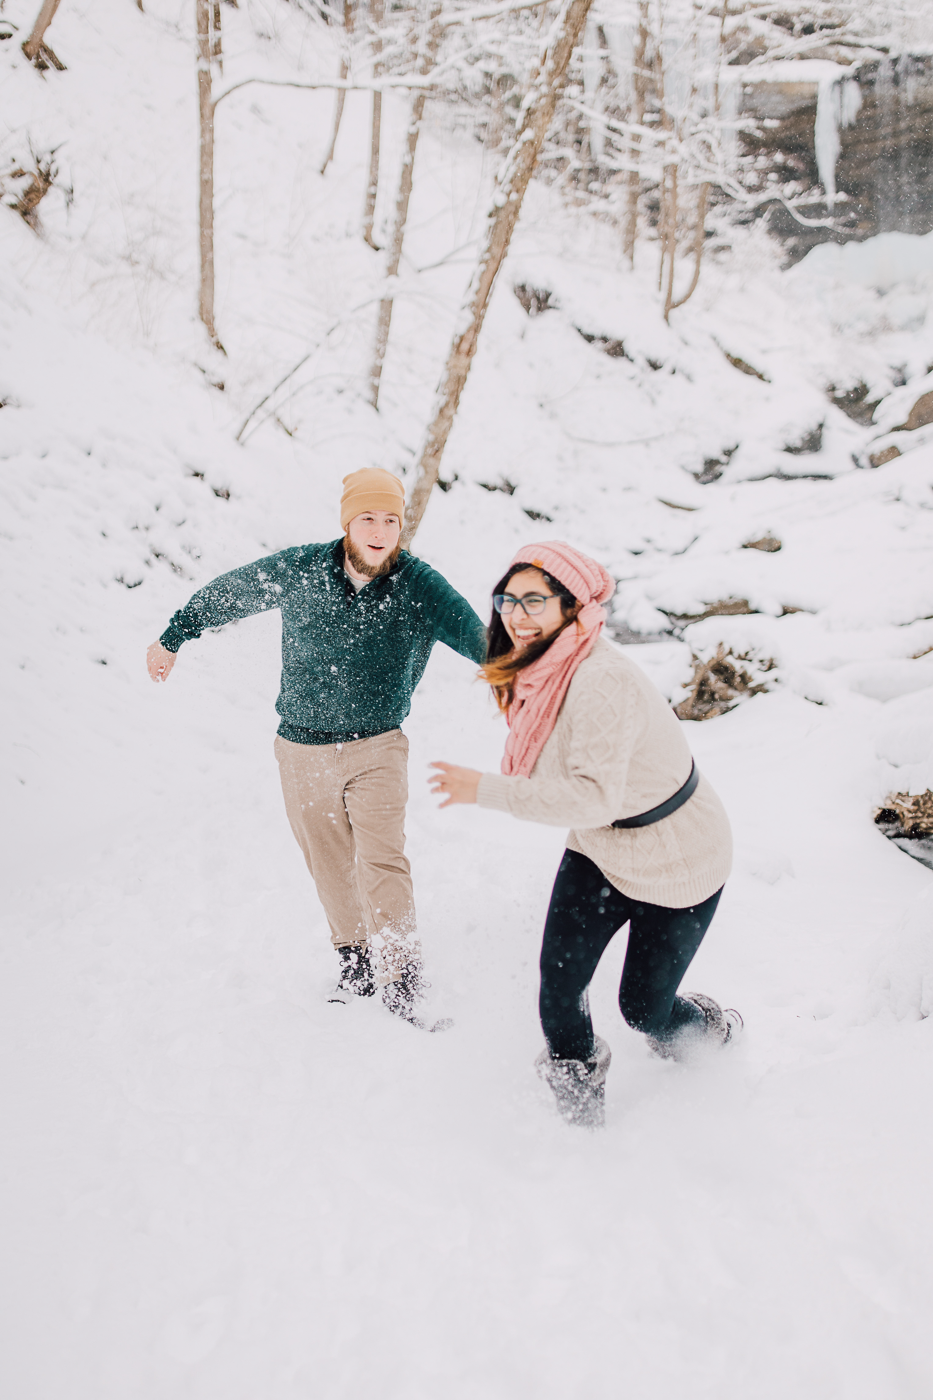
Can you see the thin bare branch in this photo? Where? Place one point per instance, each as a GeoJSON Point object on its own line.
{"type": "Point", "coordinates": [410, 84]}
{"type": "Point", "coordinates": [490, 12]}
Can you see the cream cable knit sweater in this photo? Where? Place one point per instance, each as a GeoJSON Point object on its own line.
{"type": "Point", "coordinates": [617, 749]}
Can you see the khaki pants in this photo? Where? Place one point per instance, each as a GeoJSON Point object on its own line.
{"type": "Point", "coordinates": [346, 808]}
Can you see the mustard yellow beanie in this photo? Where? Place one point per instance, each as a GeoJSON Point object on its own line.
{"type": "Point", "coordinates": [372, 488]}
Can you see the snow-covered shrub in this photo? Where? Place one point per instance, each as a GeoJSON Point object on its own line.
{"type": "Point", "coordinates": [24, 186]}
{"type": "Point", "coordinates": [914, 814]}
{"type": "Point", "coordinates": [721, 681]}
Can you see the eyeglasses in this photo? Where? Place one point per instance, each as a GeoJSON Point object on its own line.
{"type": "Point", "coordinates": [531, 603]}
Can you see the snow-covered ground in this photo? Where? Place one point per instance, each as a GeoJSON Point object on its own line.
{"type": "Point", "coordinates": [214, 1183]}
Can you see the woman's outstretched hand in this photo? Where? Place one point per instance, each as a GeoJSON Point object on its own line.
{"type": "Point", "coordinates": [455, 784]}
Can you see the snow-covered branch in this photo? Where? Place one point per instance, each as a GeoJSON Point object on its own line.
{"type": "Point", "coordinates": [385, 84]}
{"type": "Point", "coordinates": [492, 12]}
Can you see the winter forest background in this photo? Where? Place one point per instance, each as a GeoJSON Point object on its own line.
{"type": "Point", "coordinates": [702, 352]}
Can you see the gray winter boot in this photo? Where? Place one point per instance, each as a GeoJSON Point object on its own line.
{"type": "Point", "coordinates": [721, 1026]}
{"type": "Point", "coordinates": [579, 1086]}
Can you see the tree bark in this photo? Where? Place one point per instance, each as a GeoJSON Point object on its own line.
{"type": "Point", "coordinates": [377, 11]}
{"type": "Point", "coordinates": [699, 242]}
{"type": "Point", "coordinates": [206, 170]}
{"type": "Point", "coordinates": [34, 45]}
{"type": "Point", "coordinates": [664, 211]}
{"type": "Point", "coordinates": [639, 86]}
{"type": "Point", "coordinates": [341, 93]}
{"type": "Point", "coordinates": [669, 246]}
{"type": "Point", "coordinates": [217, 48]}
{"type": "Point", "coordinates": [384, 316]}
{"type": "Point", "coordinates": [511, 184]}
{"type": "Point", "coordinates": [699, 233]}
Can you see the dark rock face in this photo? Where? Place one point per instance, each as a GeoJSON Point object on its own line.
{"type": "Point", "coordinates": [855, 403]}
{"type": "Point", "coordinates": [885, 164]}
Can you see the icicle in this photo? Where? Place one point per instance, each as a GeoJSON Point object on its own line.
{"type": "Point", "coordinates": [620, 38]}
{"type": "Point", "coordinates": [730, 94]}
{"type": "Point", "coordinates": [837, 103]}
{"type": "Point", "coordinates": [850, 101]}
{"type": "Point", "coordinates": [826, 138]}
{"type": "Point", "coordinates": [591, 75]}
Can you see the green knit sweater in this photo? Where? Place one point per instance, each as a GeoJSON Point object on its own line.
{"type": "Point", "coordinates": [350, 661]}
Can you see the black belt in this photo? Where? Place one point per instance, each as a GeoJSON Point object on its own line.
{"type": "Point", "coordinates": [664, 809]}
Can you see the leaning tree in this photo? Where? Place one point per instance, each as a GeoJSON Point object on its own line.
{"type": "Point", "coordinates": [538, 107]}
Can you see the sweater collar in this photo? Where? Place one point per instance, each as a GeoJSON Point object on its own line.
{"type": "Point", "coordinates": [402, 563]}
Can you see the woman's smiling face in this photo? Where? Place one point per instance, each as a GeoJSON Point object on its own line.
{"type": "Point", "coordinates": [524, 628]}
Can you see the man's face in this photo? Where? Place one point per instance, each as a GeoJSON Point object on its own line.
{"type": "Point", "coordinates": [373, 541]}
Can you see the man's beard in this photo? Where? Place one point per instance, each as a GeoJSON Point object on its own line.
{"type": "Point", "coordinates": [361, 566]}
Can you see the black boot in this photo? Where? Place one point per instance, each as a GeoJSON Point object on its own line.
{"type": "Point", "coordinates": [403, 998]}
{"type": "Point", "coordinates": [356, 973]}
{"type": "Point", "coordinates": [579, 1086]}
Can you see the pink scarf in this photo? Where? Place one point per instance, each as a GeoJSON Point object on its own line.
{"type": "Point", "coordinates": [541, 687]}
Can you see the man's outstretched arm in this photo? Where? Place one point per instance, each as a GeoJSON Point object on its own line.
{"type": "Point", "coordinates": [254, 588]}
{"type": "Point", "coordinates": [454, 621]}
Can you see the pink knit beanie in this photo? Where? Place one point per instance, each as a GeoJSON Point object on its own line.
{"type": "Point", "coordinates": [587, 580]}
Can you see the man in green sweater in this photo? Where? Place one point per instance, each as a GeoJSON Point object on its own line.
{"type": "Point", "coordinates": [359, 619]}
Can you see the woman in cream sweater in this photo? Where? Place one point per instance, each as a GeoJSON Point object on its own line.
{"type": "Point", "coordinates": [594, 746]}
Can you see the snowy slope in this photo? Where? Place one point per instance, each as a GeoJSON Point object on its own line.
{"type": "Point", "coordinates": [218, 1185]}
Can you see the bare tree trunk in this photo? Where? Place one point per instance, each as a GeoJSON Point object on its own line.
{"type": "Point", "coordinates": [341, 94]}
{"type": "Point", "coordinates": [34, 47]}
{"type": "Point", "coordinates": [206, 170]}
{"type": "Point", "coordinates": [496, 124]}
{"type": "Point", "coordinates": [217, 48]}
{"type": "Point", "coordinates": [667, 231]}
{"type": "Point", "coordinates": [639, 88]}
{"type": "Point", "coordinates": [384, 316]}
{"type": "Point", "coordinates": [372, 189]}
{"type": "Point", "coordinates": [662, 224]}
{"type": "Point", "coordinates": [667, 212]}
{"type": "Point", "coordinates": [511, 184]}
{"type": "Point", "coordinates": [671, 244]}
{"type": "Point", "coordinates": [699, 232]}
{"type": "Point", "coordinates": [377, 12]}
{"type": "Point", "coordinates": [699, 242]}
{"type": "Point", "coordinates": [338, 114]}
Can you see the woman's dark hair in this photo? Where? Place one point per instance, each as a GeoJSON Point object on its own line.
{"type": "Point", "coordinates": [503, 663]}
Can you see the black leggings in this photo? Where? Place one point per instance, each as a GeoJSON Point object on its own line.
{"type": "Point", "coordinates": [584, 914]}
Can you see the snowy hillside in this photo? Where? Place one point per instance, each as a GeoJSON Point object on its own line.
{"type": "Point", "coordinates": [218, 1185]}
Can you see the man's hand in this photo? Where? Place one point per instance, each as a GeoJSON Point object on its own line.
{"type": "Point", "coordinates": [456, 784]}
{"type": "Point", "coordinates": [160, 662]}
